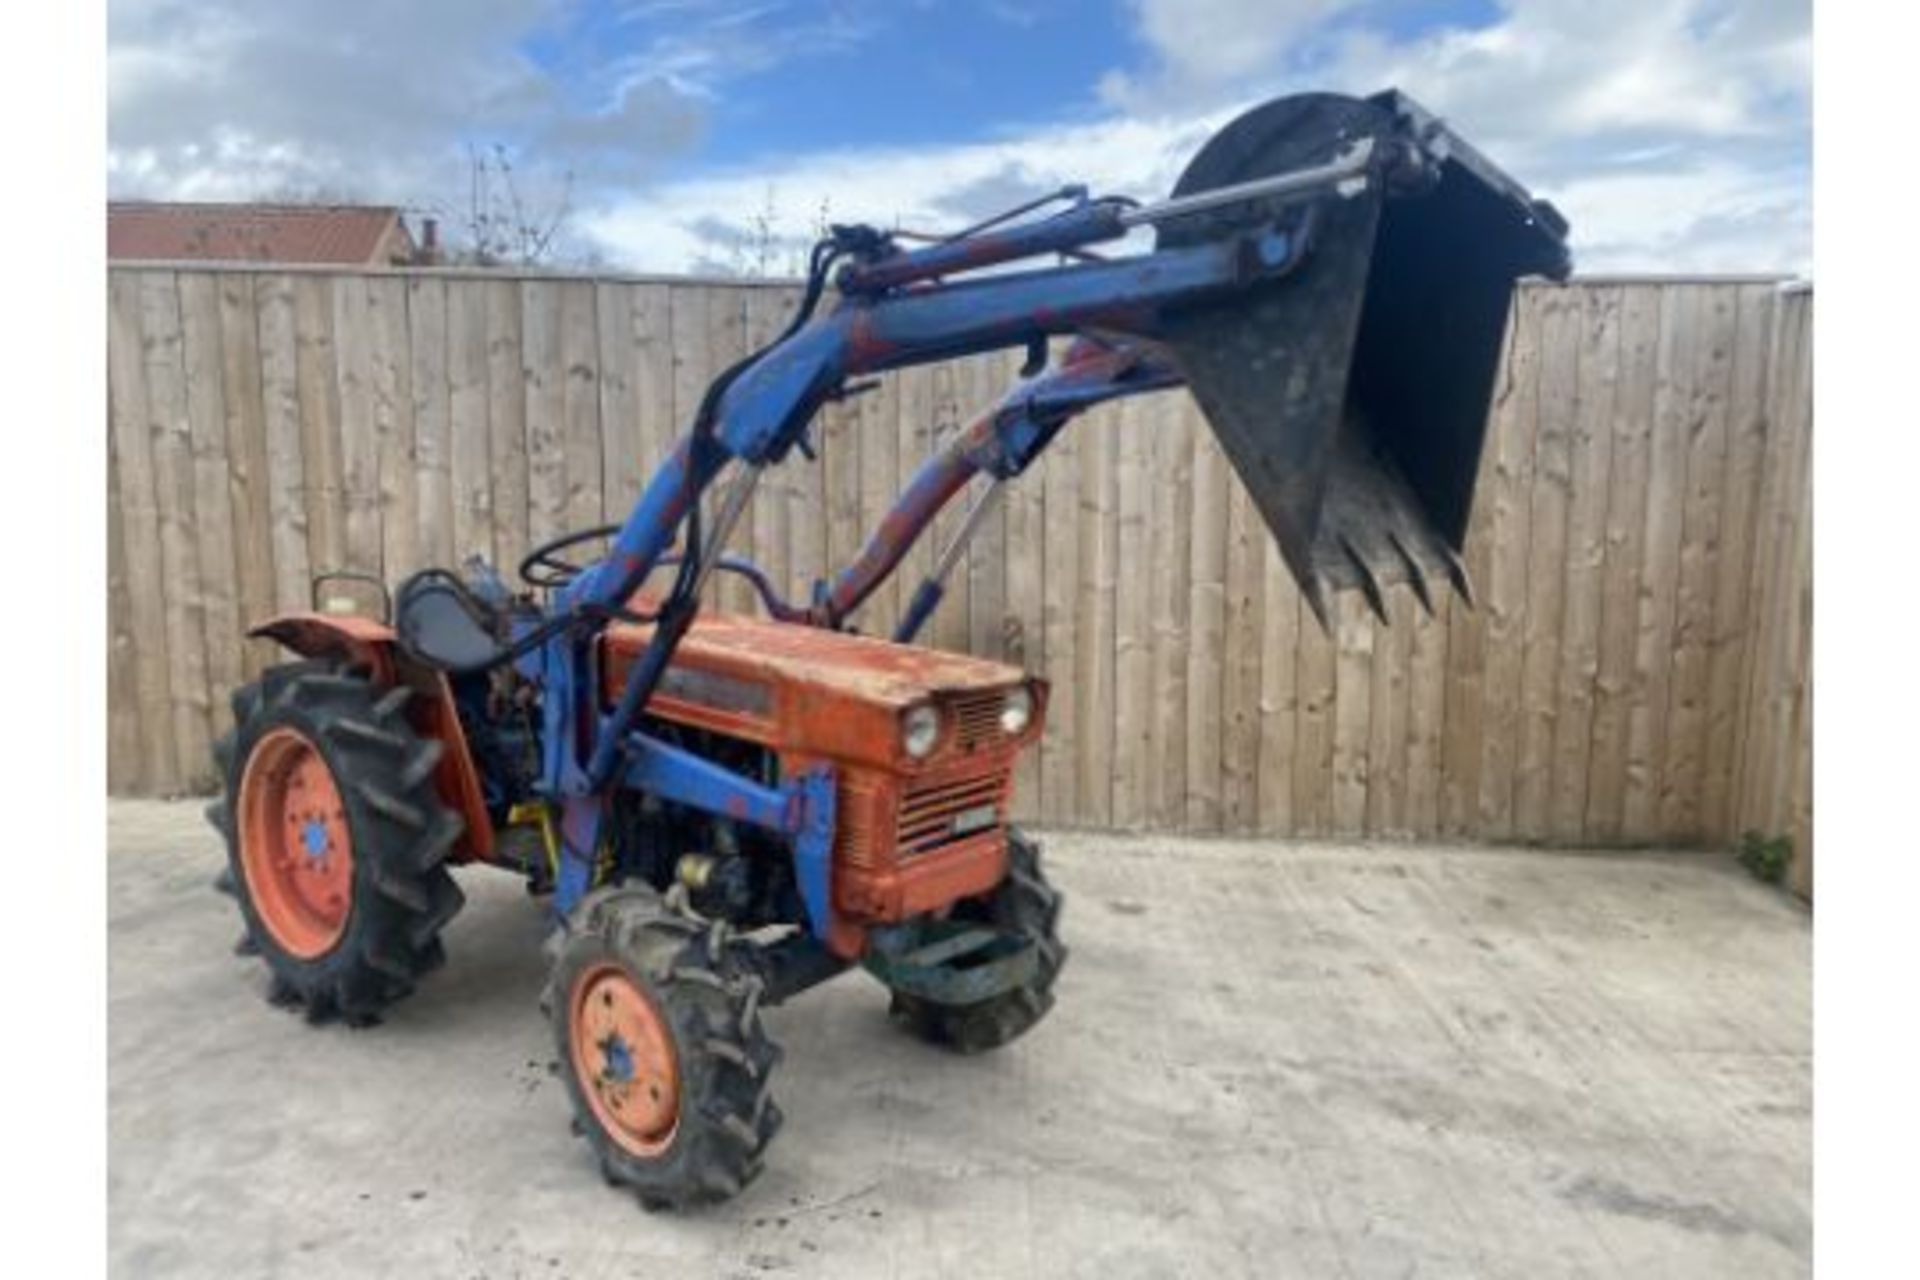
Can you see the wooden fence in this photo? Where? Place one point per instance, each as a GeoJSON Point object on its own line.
{"type": "Point", "coordinates": [1636, 671]}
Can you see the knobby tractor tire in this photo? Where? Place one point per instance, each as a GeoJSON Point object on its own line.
{"type": "Point", "coordinates": [698, 1134]}
{"type": "Point", "coordinates": [398, 894]}
{"type": "Point", "coordinates": [1023, 903]}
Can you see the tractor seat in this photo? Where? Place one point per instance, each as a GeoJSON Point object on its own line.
{"type": "Point", "coordinates": [441, 622]}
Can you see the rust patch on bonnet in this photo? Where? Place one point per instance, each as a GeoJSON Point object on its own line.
{"type": "Point", "coordinates": [873, 670]}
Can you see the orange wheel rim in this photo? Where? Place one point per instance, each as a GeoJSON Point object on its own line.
{"type": "Point", "coordinates": [296, 850]}
{"type": "Point", "coordinates": [623, 1057]}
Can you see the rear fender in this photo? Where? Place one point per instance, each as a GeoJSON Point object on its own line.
{"type": "Point", "coordinates": [370, 644]}
{"type": "Point", "coordinates": [358, 641]}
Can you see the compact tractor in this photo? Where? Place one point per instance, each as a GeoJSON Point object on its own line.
{"type": "Point", "coordinates": [726, 810]}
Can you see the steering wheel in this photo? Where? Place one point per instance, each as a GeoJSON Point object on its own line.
{"type": "Point", "coordinates": [545, 568]}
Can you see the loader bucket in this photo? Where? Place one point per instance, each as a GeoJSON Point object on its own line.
{"type": "Point", "coordinates": [1351, 396]}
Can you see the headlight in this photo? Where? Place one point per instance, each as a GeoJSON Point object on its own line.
{"type": "Point", "coordinates": [1017, 711]}
{"type": "Point", "coordinates": [919, 730]}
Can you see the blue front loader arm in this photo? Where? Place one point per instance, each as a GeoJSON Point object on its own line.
{"type": "Point", "coordinates": [764, 413]}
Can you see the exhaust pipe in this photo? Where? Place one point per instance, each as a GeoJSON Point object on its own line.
{"type": "Point", "coordinates": [1351, 396]}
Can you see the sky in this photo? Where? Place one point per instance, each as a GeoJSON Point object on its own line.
{"type": "Point", "coordinates": [716, 135]}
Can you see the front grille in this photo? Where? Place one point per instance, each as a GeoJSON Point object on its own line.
{"type": "Point", "coordinates": [859, 820]}
{"type": "Point", "coordinates": [931, 811]}
{"type": "Point", "coordinates": [976, 717]}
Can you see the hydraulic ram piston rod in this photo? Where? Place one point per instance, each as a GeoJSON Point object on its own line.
{"type": "Point", "coordinates": [926, 598]}
{"type": "Point", "coordinates": [1338, 172]}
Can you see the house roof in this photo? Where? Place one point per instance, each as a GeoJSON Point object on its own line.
{"type": "Point", "coordinates": [342, 234]}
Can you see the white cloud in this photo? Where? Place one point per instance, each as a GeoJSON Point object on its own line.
{"type": "Point", "coordinates": [1674, 133]}
{"type": "Point", "coordinates": [362, 99]}
{"type": "Point", "coordinates": [1707, 217]}
{"type": "Point", "coordinates": [1556, 73]}
{"type": "Point", "coordinates": [1202, 45]}
{"type": "Point", "coordinates": [927, 189]}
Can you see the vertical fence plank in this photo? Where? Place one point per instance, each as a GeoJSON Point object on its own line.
{"type": "Point", "coordinates": [1132, 610]}
{"type": "Point", "coordinates": [838, 426]}
{"type": "Point", "coordinates": [1589, 469]}
{"type": "Point", "coordinates": [1426, 716]}
{"type": "Point", "coordinates": [768, 310]}
{"type": "Point", "coordinates": [1631, 427]}
{"type": "Point", "coordinates": [1093, 623]}
{"type": "Point", "coordinates": [546, 409]}
{"type": "Point", "coordinates": [1026, 536]}
{"type": "Point", "coordinates": [159, 765]}
{"type": "Point", "coordinates": [286, 455]}
{"type": "Point", "coordinates": [1279, 702]}
{"type": "Point", "coordinates": [1786, 789]}
{"type": "Point", "coordinates": [1710, 384]}
{"type": "Point", "coordinates": [1746, 448]}
{"type": "Point", "coordinates": [1546, 560]}
{"type": "Point", "coordinates": [1775, 736]}
{"type": "Point", "coordinates": [912, 432]}
{"type": "Point", "coordinates": [580, 405]}
{"type": "Point", "coordinates": [506, 425]}
{"type": "Point", "coordinates": [987, 553]}
{"type": "Point", "coordinates": [432, 419]}
{"type": "Point", "coordinates": [212, 511]}
{"type": "Point", "coordinates": [951, 627]}
{"type": "Point", "coordinates": [620, 433]}
{"type": "Point", "coordinates": [1240, 663]}
{"type": "Point", "coordinates": [1772, 802]}
{"type": "Point", "coordinates": [1464, 676]}
{"type": "Point", "coordinates": [1171, 562]}
{"type": "Point", "coordinates": [249, 484]}
{"type": "Point", "coordinates": [359, 445]}
{"type": "Point", "coordinates": [1770, 523]}
{"type": "Point", "coordinates": [1059, 778]}
{"type": "Point", "coordinates": [876, 419]}
{"type": "Point", "coordinates": [189, 695]}
{"type": "Point", "coordinates": [727, 343]}
{"type": "Point", "coordinates": [913, 445]}
{"type": "Point", "coordinates": [1315, 675]}
{"type": "Point", "coordinates": [655, 426]}
{"type": "Point", "coordinates": [661, 426]}
{"type": "Point", "coordinates": [1464, 697]}
{"type": "Point", "coordinates": [806, 490]}
{"type": "Point", "coordinates": [123, 659]}
{"type": "Point", "coordinates": [1207, 588]}
{"type": "Point", "coordinates": [1660, 558]}
{"type": "Point", "coordinates": [470, 448]}
{"type": "Point", "coordinates": [1503, 589]}
{"type": "Point", "coordinates": [1352, 711]}
{"type": "Point", "coordinates": [317, 368]}
{"type": "Point", "coordinates": [1387, 707]}
{"type": "Point", "coordinates": [398, 493]}
{"type": "Point", "coordinates": [1799, 820]}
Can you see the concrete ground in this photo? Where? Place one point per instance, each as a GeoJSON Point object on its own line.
{"type": "Point", "coordinates": [1268, 1060]}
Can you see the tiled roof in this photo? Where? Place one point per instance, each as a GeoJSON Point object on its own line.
{"type": "Point", "coordinates": [341, 234]}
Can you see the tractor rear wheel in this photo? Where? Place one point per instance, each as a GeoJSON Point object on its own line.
{"type": "Point", "coordinates": [657, 1024]}
{"type": "Point", "coordinates": [1024, 903]}
{"type": "Point", "coordinates": [336, 840]}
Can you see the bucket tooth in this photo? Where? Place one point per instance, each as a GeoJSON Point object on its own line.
{"type": "Point", "coordinates": [1369, 585]}
{"type": "Point", "coordinates": [1457, 573]}
{"type": "Point", "coordinates": [1315, 591]}
{"type": "Point", "coordinates": [1416, 577]}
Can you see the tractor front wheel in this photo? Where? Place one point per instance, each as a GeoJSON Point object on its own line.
{"type": "Point", "coordinates": [1024, 904]}
{"type": "Point", "coordinates": [336, 840]}
{"type": "Point", "coordinates": [665, 1059]}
